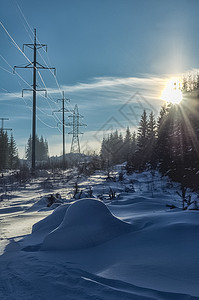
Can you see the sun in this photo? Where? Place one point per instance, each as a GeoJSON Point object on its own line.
{"type": "Point", "coordinates": [172, 93]}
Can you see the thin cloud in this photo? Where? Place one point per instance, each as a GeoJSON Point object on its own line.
{"type": "Point", "coordinates": [99, 83]}
{"type": "Point", "coordinates": [122, 85]}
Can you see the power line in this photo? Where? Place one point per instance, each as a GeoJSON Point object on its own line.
{"type": "Point", "coordinates": [15, 72]}
{"type": "Point", "coordinates": [42, 48]}
{"type": "Point", "coordinates": [6, 70]}
{"type": "Point", "coordinates": [56, 119]}
{"type": "Point", "coordinates": [17, 46]}
{"type": "Point", "coordinates": [26, 21]}
{"type": "Point", "coordinates": [20, 10]}
{"type": "Point", "coordinates": [35, 66]}
{"type": "Point", "coordinates": [31, 63]}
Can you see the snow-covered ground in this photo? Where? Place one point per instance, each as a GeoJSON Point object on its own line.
{"type": "Point", "coordinates": [133, 246]}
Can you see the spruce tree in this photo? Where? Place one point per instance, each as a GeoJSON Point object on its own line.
{"type": "Point", "coordinates": [142, 142]}
{"type": "Point", "coordinates": [28, 150]}
{"type": "Point", "coordinates": [132, 158]}
{"type": "Point", "coordinates": [127, 145]}
{"type": "Point", "coordinates": [12, 153]}
{"type": "Point", "coordinates": [41, 146]}
{"type": "Point", "coordinates": [116, 147]}
{"type": "Point", "coordinates": [133, 143]}
{"type": "Point", "coordinates": [4, 157]}
{"type": "Point", "coordinates": [151, 135]}
{"type": "Point", "coordinates": [162, 144]}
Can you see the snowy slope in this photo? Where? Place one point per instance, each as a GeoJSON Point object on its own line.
{"type": "Point", "coordinates": [130, 247]}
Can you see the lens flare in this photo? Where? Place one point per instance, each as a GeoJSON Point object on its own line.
{"type": "Point", "coordinates": [172, 93]}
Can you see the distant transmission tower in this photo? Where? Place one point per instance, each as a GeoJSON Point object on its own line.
{"type": "Point", "coordinates": [63, 110]}
{"type": "Point", "coordinates": [76, 123]}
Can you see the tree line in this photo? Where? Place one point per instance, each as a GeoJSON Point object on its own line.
{"type": "Point", "coordinates": [169, 143]}
{"type": "Point", "coordinates": [41, 149]}
{"type": "Point", "coordinates": [134, 148]}
{"type": "Point", "coordinates": [8, 151]}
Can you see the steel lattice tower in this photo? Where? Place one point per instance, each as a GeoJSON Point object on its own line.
{"type": "Point", "coordinates": [76, 123]}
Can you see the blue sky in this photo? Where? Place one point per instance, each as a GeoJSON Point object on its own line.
{"type": "Point", "coordinates": [112, 58]}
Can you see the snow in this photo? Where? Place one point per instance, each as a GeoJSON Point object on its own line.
{"type": "Point", "coordinates": [87, 223]}
{"type": "Point", "coordinates": [52, 221]}
{"type": "Point", "coordinates": [129, 247]}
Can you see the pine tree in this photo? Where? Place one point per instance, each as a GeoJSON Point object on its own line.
{"type": "Point", "coordinates": [12, 153]}
{"type": "Point", "coordinates": [133, 143]}
{"type": "Point", "coordinates": [3, 150]}
{"type": "Point", "coordinates": [142, 142]}
{"type": "Point", "coordinates": [127, 145]}
{"type": "Point", "coordinates": [132, 158]}
{"type": "Point", "coordinates": [189, 115]}
{"type": "Point", "coordinates": [142, 131]}
{"type": "Point", "coordinates": [151, 135]}
{"type": "Point", "coordinates": [162, 144]}
{"type": "Point", "coordinates": [112, 148]}
{"type": "Point", "coordinates": [41, 149]}
{"type": "Point", "coordinates": [46, 149]}
{"type": "Point", "coordinates": [151, 126]}
{"type": "Point", "coordinates": [178, 141]}
{"type": "Point", "coordinates": [116, 147]}
{"type": "Point", "coordinates": [28, 150]}
{"type": "Point", "coordinates": [41, 146]}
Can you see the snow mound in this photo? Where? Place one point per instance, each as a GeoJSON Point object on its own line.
{"type": "Point", "coordinates": [52, 221]}
{"type": "Point", "coordinates": [87, 223]}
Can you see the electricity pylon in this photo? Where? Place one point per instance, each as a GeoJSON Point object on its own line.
{"type": "Point", "coordinates": [35, 66]}
{"type": "Point", "coordinates": [63, 110]}
{"type": "Point", "coordinates": [76, 123]}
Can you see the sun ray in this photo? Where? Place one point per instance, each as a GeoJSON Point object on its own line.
{"type": "Point", "coordinates": [191, 133]}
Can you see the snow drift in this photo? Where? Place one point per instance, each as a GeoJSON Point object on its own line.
{"type": "Point", "coordinates": [87, 223]}
{"type": "Point", "coordinates": [157, 259]}
{"type": "Point", "coordinates": [52, 221]}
